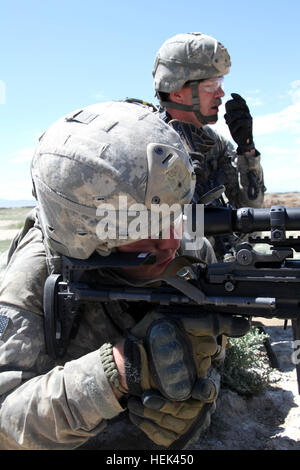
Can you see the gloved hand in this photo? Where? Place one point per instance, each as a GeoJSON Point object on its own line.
{"type": "Point", "coordinates": [166, 422]}
{"type": "Point", "coordinates": [239, 121]}
{"type": "Point", "coordinates": [173, 354]}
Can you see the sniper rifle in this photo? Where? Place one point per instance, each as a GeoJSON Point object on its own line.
{"type": "Point", "coordinates": [252, 284]}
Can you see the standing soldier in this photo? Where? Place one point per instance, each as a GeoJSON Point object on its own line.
{"type": "Point", "coordinates": [188, 76]}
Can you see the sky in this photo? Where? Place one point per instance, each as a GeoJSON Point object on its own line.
{"type": "Point", "coordinates": [60, 55]}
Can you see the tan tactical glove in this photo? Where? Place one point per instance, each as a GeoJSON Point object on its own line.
{"type": "Point", "coordinates": [173, 354]}
{"type": "Point", "coordinates": [250, 174]}
{"type": "Point", "coordinates": [169, 423]}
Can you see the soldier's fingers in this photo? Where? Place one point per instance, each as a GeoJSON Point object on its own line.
{"type": "Point", "coordinates": [205, 390]}
{"type": "Point", "coordinates": [236, 124]}
{"type": "Point", "coordinates": [215, 324]}
{"type": "Point", "coordinates": [162, 419]}
{"type": "Point", "coordinates": [238, 97]}
{"type": "Point", "coordinates": [236, 115]}
{"type": "Point", "coordinates": [158, 435]}
{"type": "Point", "coordinates": [188, 409]}
{"type": "Point", "coordinates": [236, 103]}
{"type": "Point", "coordinates": [153, 399]}
{"type": "Point", "coordinates": [204, 346]}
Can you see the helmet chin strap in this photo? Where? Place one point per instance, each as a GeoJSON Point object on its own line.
{"type": "Point", "coordinates": [194, 107]}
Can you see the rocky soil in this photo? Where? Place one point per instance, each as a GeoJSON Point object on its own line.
{"type": "Point", "coordinates": [268, 421]}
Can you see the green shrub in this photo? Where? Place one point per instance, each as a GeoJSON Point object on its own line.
{"type": "Point", "coordinates": [246, 369]}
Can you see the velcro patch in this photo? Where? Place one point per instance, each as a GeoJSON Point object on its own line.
{"type": "Point", "coordinates": [3, 324]}
{"type": "Point", "coordinates": [83, 116]}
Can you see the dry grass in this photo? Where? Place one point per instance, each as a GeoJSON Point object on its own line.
{"type": "Point", "coordinates": [11, 220]}
{"type": "Point", "coordinates": [284, 199]}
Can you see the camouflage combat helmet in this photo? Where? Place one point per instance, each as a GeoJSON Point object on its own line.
{"type": "Point", "coordinates": [188, 58]}
{"type": "Point", "coordinates": [96, 157]}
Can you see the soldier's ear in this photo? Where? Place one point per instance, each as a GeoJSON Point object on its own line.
{"type": "Point", "coordinates": [178, 96]}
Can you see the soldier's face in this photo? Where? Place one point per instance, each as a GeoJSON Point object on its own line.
{"type": "Point", "coordinates": [210, 93]}
{"type": "Point", "coordinates": [164, 249]}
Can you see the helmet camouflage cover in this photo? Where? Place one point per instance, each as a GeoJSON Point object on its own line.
{"type": "Point", "coordinates": [187, 57]}
{"type": "Point", "coordinates": [93, 156]}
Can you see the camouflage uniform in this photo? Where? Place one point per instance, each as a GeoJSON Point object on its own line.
{"type": "Point", "coordinates": [217, 163]}
{"type": "Point", "coordinates": [64, 403]}
{"type": "Point", "coordinates": [48, 403]}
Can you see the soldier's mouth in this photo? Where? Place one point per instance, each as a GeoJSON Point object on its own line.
{"type": "Point", "coordinates": [166, 261]}
{"type": "Point", "coordinates": [216, 105]}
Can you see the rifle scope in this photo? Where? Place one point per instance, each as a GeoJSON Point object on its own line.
{"type": "Point", "coordinates": [224, 220]}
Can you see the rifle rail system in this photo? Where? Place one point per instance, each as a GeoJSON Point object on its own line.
{"type": "Point", "coordinates": [253, 284]}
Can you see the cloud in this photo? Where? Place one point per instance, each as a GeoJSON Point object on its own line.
{"type": "Point", "coordinates": [16, 189]}
{"type": "Point", "coordinates": [281, 167]}
{"type": "Point", "coordinates": [254, 92]}
{"type": "Point", "coordinates": [2, 92]}
{"type": "Point", "coordinates": [251, 101]}
{"type": "Point", "coordinates": [284, 154]}
{"type": "Point", "coordinates": [287, 120]}
{"type": "Point", "coordinates": [295, 91]}
{"type": "Point", "coordinates": [22, 155]}
{"type": "Point", "coordinates": [100, 96]}
{"type": "Point", "coordinates": [281, 178]}
{"type": "Point", "coordinates": [281, 159]}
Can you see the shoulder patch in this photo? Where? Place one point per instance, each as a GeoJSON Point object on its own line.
{"type": "Point", "coordinates": [3, 324]}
